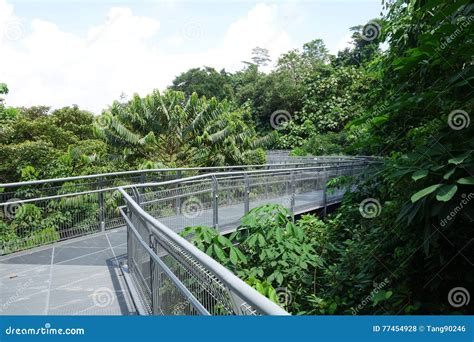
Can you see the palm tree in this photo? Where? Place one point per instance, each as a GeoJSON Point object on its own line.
{"type": "Point", "coordinates": [177, 131]}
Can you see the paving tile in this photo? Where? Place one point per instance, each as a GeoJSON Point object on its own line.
{"type": "Point", "coordinates": [93, 241]}
{"type": "Point", "coordinates": [41, 257]}
{"type": "Point", "coordinates": [117, 238]}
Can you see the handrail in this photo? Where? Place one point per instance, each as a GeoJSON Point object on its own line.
{"type": "Point", "coordinates": [207, 175]}
{"type": "Point", "coordinates": [139, 172]}
{"type": "Point", "coordinates": [155, 257]}
{"type": "Point", "coordinates": [242, 289]}
{"type": "Point", "coordinates": [179, 180]}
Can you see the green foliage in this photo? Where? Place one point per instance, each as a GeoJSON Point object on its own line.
{"type": "Point", "coordinates": [215, 245]}
{"type": "Point", "coordinates": [260, 56]}
{"type": "Point", "coordinates": [12, 243]}
{"type": "Point", "coordinates": [263, 287]}
{"type": "Point", "coordinates": [281, 89]}
{"type": "Point", "coordinates": [424, 188]}
{"type": "Point", "coordinates": [331, 100]}
{"type": "Point", "coordinates": [179, 131]}
{"type": "Point", "coordinates": [205, 82]}
{"type": "Point", "coordinates": [56, 144]}
{"type": "Point", "coordinates": [326, 144]}
{"type": "Point", "coordinates": [3, 90]}
{"type": "Point", "coordinates": [268, 251]}
{"type": "Point", "coordinates": [363, 51]}
{"type": "Point", "coordinates": [276, 247]}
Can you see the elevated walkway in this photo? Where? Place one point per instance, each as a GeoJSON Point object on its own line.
{"type": "Point", "coordinates": [73, 267]}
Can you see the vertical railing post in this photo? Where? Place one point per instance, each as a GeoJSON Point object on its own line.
{"type": "Point", "coordinates": [129, 240]}
{"type": "Point", "coordinates": [215, 203]}
{"type": "Point", "coordinates": [152, 270]}
{"type": "Point", "coordinates": [142, 177]}
{"type": "Point", "coordinates": [293, 194]}
{"type": "Point", "coordinates": [101, 205]}
{"type": "Point", "coordinates": [246, 193]}
{"type": "Point", "coordinates": [178, 198]}
{"type": "Point", "coordinates": [266, 186]}
{"type": "Point", "coordinates": [325, 198]}
{"type": "Point", "coordinates": [136, 195]}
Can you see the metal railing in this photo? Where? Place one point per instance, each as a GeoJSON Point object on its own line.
{"type": "Point", "coordinates": [39, 212]}
{"type": "Point", "coordinates": [173, 277]}
{"type": "Point", "coordinates": [170, 275]}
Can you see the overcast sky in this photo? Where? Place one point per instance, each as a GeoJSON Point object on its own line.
{"type": "Point", "coordinates": [60, 52]}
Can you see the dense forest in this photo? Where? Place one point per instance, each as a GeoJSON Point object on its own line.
{"type": "Point", "coordinates": [409, 103]}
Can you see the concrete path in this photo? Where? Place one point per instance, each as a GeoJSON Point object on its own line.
{"type": "Point", "coordinates": [76, 277]}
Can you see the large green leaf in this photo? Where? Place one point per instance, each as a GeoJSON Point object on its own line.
{"type": "Point", "coordinates": [459, 159]}
{"type": "Point", "coordinates": [219, 253]}
{"type": "Point", "coordinates": [448, 174]}
{"type": "Point", "coordinates": [424, 192]}
{"type": "Point", "coordinates": [233, 256]}
{"type": "Point", "coordinates": [466, 180]}
{"type": "Point", "coordinates": [446, 192]}
{"type": "Point", "coordinates": [419, 174]}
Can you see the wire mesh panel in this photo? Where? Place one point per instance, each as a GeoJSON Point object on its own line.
{"type": "Point", "coordinates": [172, 277]}
{"type": "Point", "coordinates": [139, 268]}
{"type": "Point", "coordinates": [188, 203]}
{"type": "Point", "coordinates": [231, 194]}
{"type": "Point", "coordinates": [30, 223]}
{"type": "Point", "coordinates": [271, 188]}
{"type": "Point", "coordinates": [112, 200]}
{"type": "Point", "coordinates": [209, 291]}
{"type": "Point", "coordinates": [309, 190]}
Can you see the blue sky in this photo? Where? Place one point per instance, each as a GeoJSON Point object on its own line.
{"type": "Point", "coordinates": [89, 52]}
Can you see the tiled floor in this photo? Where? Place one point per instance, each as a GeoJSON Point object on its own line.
{"type": "Point", "coordinates": [77, 277]}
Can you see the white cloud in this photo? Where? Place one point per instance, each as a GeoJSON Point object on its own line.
{"type": "Point", "coordinates": [345, 42]}
{"type": "Point", "coordinates": [52, 67]}
{"type": "Point", "coordinates": [259, 28]}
